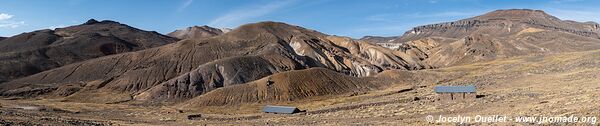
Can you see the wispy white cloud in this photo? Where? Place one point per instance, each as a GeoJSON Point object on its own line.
{"type": "Point", "coordinates": [448, 14]}
{"type": "Point", "coordinates": [184, 5]}
{"type": "Point", "coordinates": [7, 22]}
{"type": "Point", "coordinates": [391, 28]}
{"type": "Point", "coordinates": [418, 15]}
{"type": "Point", "coordinates": [242, 15]}
{"type": "Point", "coordinates": [11, 24]}
{"type": "Point", "coordinates": [576, 15]}
{"type": "Point", "coordinates": [57, 26]}
{"type": "Point", "coordinates": [4, 16]}
{"type": "Point", "coordinates": [379, 30]}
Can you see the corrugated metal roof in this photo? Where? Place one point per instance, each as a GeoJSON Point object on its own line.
{"type": "Point", "coordinates": [280, 109]}
{"type": "Point", "coordinates": [455, 89]}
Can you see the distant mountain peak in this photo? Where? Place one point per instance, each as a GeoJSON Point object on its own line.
{"type": "Point", "coordinates": [196, 32]}
{"type": "Point", "coordinates": [109, 22]}
{"type": "Point", "coordinates": [517, 11]}
{"type": "Point", "coordinates": [94, 21]}
{"type": "Point", "coordinates": [516, 14]}
{"type": "Point", "coordinates": [265, 25]}
{"type": "Point", "coordinates": [63, 46]}
{"type": "Point", "coordinates": [90, 22]}
{"type": "Point", "coordinates": [278, 29]}
{"type": "Point", "coordinates": [205, 31]}
{"type": "Point", "coordinates": [203, 26]}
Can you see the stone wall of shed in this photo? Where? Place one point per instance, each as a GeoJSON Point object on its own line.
{"type": "Point", "coordinates": [456, 96]}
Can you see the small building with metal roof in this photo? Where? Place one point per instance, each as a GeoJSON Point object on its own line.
{"type": "Point", "coordinates": [280, 109]}
{"type": "Point", "coordinates": [451, 93]}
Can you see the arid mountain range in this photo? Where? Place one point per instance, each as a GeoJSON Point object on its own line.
{"type": "Point", "coordinates": [200, 67]}
{"type": "Point", "coordinates": [193, 67]}
{"type": "Point", "coordinates": [497, 34]}
{"type": "Point", "coordinates": [209, 58]}
{"type": "Point", "coordinates": [29, 53]}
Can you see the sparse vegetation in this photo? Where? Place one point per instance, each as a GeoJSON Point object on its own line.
{"type": "Point", "coordinates": [523, 62]}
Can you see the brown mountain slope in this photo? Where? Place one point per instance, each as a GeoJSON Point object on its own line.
{"type": "Point", "coordinates": [305, 85]}
{"type": "Point", "coordinates": [196, 32]}
{"type": "Point", "coordinates": [193, 67]}
{"type": "Point", "coordinates": [287, 86]}
{"type": "Point", "coordinates": [357, 59]}
{"type": "Point", "coordinates": [2, 38]}
{"type": "Point", "coordinates": [33, 52]}
{"type": "Point", "coordinates": [498, 34]}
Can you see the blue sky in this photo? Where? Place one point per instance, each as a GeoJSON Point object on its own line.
{"type": "Point", "coordinates": [354, 18]}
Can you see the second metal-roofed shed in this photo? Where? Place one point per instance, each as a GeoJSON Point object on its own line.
{"type": "Point", "coordinates": [280, 109]}
{"type": "Point", "coordinates": [455, 92]}
{"type": "Point", "coordinates": [455, 89]}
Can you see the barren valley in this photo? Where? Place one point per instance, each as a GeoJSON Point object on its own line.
{"type": "Point", "coordinates": [522, 62]}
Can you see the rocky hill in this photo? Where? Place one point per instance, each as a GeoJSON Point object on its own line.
{"type": "Point", "coordinates": [192, 67]}
{"type": "Point", "coordinates": [33, 52]}
{"type": "Point", "coordinates": [197, 32]}
{"type": "Point", "coordinates": [285, 86]}
{"type": "Point", "coordinates": [498, 34]}
{"type": "Point", "coordinates": [501, 23]}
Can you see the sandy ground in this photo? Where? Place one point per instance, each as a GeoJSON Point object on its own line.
{"type": "Point", "coordinates": [542, 85]}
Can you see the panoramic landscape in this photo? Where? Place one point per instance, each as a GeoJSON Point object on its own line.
{"type": "Point", "coordinates": [502, 65]}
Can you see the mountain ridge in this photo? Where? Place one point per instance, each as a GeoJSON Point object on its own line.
{"type": "Point", "coordinates": [33, 52]}
{"type": "Point", "coordinates": [186, 71]}
{"type": "Point", "coordinates": [197, 32]}
{"type": "Point", "coordinates": [502, 19]}
{"type": "Point", "coordinates": [497, 34]}
{"type": "Point", "coordinates": [192, 67]}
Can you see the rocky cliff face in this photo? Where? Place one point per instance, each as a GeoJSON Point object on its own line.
{"type": "Point", "coordinates": [502, 23]}
{"type": "Point", "coordinates": [499, 34]}
{"type": "Point", "coordinates": [33, 52]}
